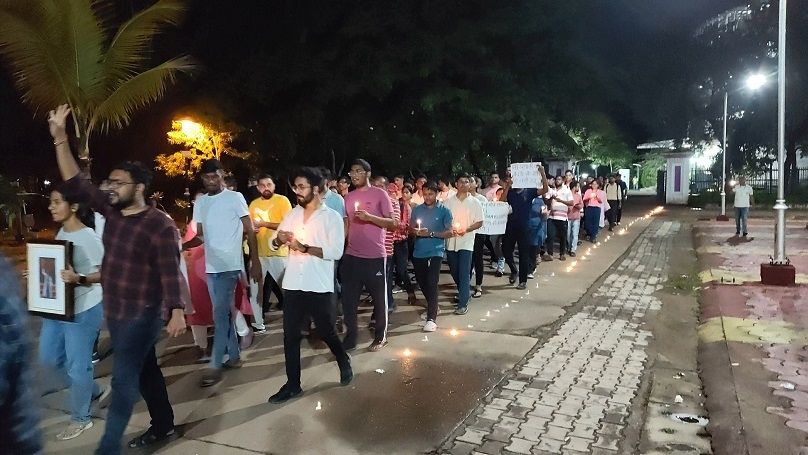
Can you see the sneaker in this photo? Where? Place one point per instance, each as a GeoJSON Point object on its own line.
{"type": "Point", "coordinates": [521, 286]}
{"type": "Point", "coordinates": [150, 437]}
{"type": "Point", "coordinates": [745, 234]}
{"type": "Point", "coordinates": [259, 329]}
{"type": "Point", "coordinates": [460, 311]}
{"type": "Point", "coordinates": [580, 243]}
{"type": "Point", "coordinates": [102, 395]}
{"type": "Point", "coordinates": [477, 293]}
{"type": "Point", "coordinates": [499, 273]}
{"type": "Point", "coordinates": [73, 430]}
{"type": "Point", "coordinates": [512, 278]}
{"type": "Point", "coordinates": [562, 258]}
{"type": "Point", "coordinates": [232, 364]}
{"type": "Point", "coordinates": [572, 254]}
{"type": "Point", "coordinates": [377, 345]}
{"type": "Point", "coordinates": [430, 326]}
{"type": "Point", "coordinates": [284, 394]}
{"type": "Point", "coordinates": [397, 290]}
{"type": "Point", "coordinates": [345, 372]}
{"type": "Point", "coordinates": [546, 257]}
{"type": "Point", "coordinates": [529, 276]}
{"type": "Point", "coordinates": [211, 377]}
{"type": "Point", "coordinates": [96, 357]}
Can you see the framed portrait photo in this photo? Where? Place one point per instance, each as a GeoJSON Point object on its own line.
{"type": "Point", "coordinates": [48, 295]}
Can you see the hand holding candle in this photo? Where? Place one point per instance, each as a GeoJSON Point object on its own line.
{"type": "Point", "coordinates": [355, 206]}
{"type": "Point", "coordinates": [419, 224]}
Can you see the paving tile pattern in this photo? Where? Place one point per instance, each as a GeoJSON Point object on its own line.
{"type": "Point", "coordinates": [573, 394]}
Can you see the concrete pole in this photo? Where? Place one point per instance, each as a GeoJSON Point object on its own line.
{"type": "Point", "coordinates": [723, 216]}
{"type": "Point", "coordinates": [780, 206]}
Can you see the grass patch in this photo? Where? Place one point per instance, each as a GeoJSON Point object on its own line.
{"type": "Point", "coordinates": [684, 283]}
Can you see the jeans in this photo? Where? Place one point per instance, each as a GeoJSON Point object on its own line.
{"type": "Point", "coordinates": [67, 349]}
{"type": "Point", "coordinates": [560, 227]}
{"type": "Point", "coordinates": [320, 307]}
{"type": "Point", "coordinates": [460, 266]}
{"type": "Point", "coordinates": [477, 261]}
{"type": "Point", "coordinates": [592, 220]}
{"type": "Point", "coordinates": [517, 236]}
{"type": "Point", "coordinates": [369, 273]}
{"type": "Point", "coordinates": [741, 219]}
{"type": "Point", "coordinates": [135, 372]}
{"type": "Point", "coordinates": [222, 289]}
{"type": "Point", "coordinates": [427, 274]}
{"type": "Point", "coordinates": [401, 256]}
{"type": "Point", "coordinates": [573, 226]}
{"type": "Point", "coordinates": [494, 244]}
{"type": "Point", "coordinates": [611, 214]}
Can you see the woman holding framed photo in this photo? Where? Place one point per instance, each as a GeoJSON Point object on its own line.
{"type": "Point", "coordinates": [68, 346]}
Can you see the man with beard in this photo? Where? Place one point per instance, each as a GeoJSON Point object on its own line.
{"type": "Point", "coordinates": [267, 212]}
{"type": "Point", "coordinates": [142, 285]}
{"type": "Point", "coordinates": [222, 217]}
{"type": "Point", "coordinates": [314, 235]}
{"type": "Point", "coordinates": [370, 214]}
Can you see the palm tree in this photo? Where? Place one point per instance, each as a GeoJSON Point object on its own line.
{"type": "Point", "coordinates": [64, 51]}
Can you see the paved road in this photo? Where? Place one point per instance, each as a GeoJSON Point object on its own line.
{"type": "Point", "coordinates": [555, 367]}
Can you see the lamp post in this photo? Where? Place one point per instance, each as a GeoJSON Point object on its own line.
{"type": "Point", "coordinates": [754, 82]}
{"type": "Point", "coordinates": [779, 270]}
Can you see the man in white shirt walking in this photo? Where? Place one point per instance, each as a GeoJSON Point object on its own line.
{"type": "Point", "coordinates": [315, 236]}
{"type": "Point", "coordinates": [744, 198]}
{"type": "Point", "coordinates": [467, 215]}
{"type": "Point", "coordinates": [222, 216]}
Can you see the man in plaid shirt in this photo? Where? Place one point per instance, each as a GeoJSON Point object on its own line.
{"type": "Point", "coordinates": [142, 288]}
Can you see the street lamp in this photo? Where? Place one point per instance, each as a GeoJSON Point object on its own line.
{"type": "Point", "coordinates": [190, 128]}
{"type": "Point", "coordinates": [754, 82]}
{"type": "Point", "coordinates": [780, 271]}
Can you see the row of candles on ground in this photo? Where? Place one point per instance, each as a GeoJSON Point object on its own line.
{"type": "Point", "coordinates": [622, 231]}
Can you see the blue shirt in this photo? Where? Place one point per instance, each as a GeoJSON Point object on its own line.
{"type": "Point", "coordinates": [521, 203]}
{"type": "Point", "coordinates": [19, 409]}
{"type": "Point", "coordinates": [435, 219]}
{"type": "Point", "coordinates": [335, 202]}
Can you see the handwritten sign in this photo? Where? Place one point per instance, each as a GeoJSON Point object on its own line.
{"type": "Point", "coordinates": [495, 217]}
{"type": "Point", "coordinates": [525, 175]}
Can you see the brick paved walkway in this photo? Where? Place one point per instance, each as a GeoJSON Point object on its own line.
{"type": "Point", "coordinates": [573, 394]}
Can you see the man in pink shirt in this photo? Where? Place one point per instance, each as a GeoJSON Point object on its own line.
{"type": "Point", "coordinates": [370, 214]}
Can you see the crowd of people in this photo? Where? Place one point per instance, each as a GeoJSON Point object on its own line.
{"type": "Point", "coordinates": [344, 237]}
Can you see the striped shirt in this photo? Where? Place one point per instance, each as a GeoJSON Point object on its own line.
{"type": "Point", "coordinates": [141, 268]}
{"type": "Point", "coordinates": [389, 236]}
{"type": "Point", "coordinates": [402, 232]}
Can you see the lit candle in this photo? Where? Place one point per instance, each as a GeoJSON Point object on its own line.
{"type": "Point", "coordinates": [419, 225]}
{"type": "Point", "coordinates": [457, 226]}
{"type": "Point", "coordinates": [356, 206]}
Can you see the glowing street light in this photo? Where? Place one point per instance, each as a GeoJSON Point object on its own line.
{"type": "Point", "coordinates": [190, 128]}
{"type": "Point", "coordinates": [753, 82]}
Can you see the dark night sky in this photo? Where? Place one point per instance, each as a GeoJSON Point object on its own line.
{"type": "Point", "coordinates": [622, 36]}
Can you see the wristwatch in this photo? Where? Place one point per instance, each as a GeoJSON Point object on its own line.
{"type": "Point", "coordinates": [305, 248]}
{"type": "Point", "coordinates": [431, 235]}
{"type": "Point", "coordinates": [83, 280]}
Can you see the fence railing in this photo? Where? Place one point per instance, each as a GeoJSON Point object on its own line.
{"type": "Point", "coordinates": [704, 180]}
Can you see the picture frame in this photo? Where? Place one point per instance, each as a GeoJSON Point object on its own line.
{"type": "Point", "coordinates": [49, 296]}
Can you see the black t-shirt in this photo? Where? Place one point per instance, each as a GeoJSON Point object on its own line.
{"type": "Point", "coordinates": [521, 203]}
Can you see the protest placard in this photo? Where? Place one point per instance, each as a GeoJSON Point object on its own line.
{"type": "Point", "coordinates": [525, 175]}
{"type": "Point", "coordinates": [495, 217]}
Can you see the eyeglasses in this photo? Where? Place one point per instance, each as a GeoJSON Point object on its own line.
{"type": "Point", "coordinates": [357, 172]}
{"type": "Point", "coordinates": [300, 188]}
{"type": "Point", "coordinates": [118, 183]}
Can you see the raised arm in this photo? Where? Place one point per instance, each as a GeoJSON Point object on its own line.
{"type": "Point", "coordinates": [57, 123]}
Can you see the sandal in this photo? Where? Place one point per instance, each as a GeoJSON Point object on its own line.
{"type": "Point", "coordinates": [477, 293]}
{"type": "Point", "coordinates": [149, 438]}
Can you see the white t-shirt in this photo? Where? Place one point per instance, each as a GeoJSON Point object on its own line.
{"type": "Point", "coordinates": [100, 222]}
{"type": "Point", "coordinates": [743, 196]}
{"type": "Point", "coordinates": [444, 196]}
{"type": "Point", "coordinates": [465, 212]}
{"type": "Point", "coordinates": [558, 211]}
{"type": "Point", "coordinates": [88, 252]}
{"type": "Point", "coordinates": [220, 216]}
